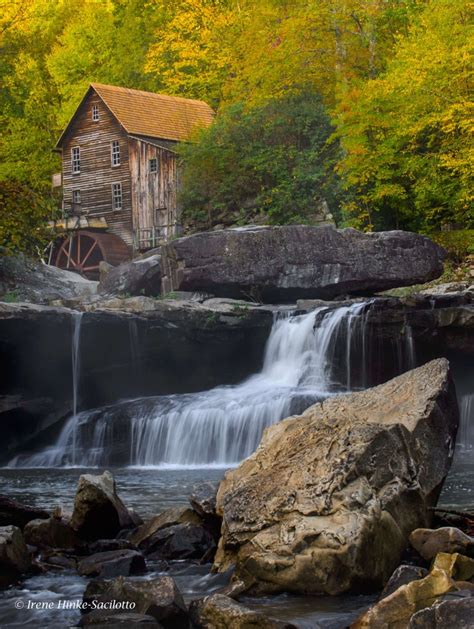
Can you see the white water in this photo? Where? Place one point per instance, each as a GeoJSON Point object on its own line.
{"type": "Point", "coordinates": [465, 439]}
{"type": "Point", "coordinates": [222, 426]}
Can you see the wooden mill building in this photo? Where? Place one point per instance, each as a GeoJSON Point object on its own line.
{"type": "Point", "coordinates": [120, 173]}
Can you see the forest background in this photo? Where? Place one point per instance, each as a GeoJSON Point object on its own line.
{"type": "Point", "coordinates": [362, 108]}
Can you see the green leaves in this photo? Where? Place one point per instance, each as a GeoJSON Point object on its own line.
{"type": "Point", "coordinates": [267, 163]}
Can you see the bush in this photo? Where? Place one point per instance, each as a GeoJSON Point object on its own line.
{"type": "Point", "coordinates": [271, 163]}
{"type": "Point", "coordinates": [458, 243]}
{"type": "Point", "coordinates": [23, 219]}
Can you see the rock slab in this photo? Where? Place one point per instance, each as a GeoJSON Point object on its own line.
{"type": "Point", "coordinates": [328, 500]}
{"type": "Point", "coordinates": [138, 277]}
{"type": "Point", "coordinates": [292, 262]}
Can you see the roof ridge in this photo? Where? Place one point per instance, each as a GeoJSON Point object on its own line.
{"type": "Point", "coordinates": [145, 92]}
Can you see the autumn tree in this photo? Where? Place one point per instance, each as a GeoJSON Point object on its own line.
{"type": "Point", "coordinates": [407, 134]}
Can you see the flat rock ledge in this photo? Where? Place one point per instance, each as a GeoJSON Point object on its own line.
{"type": "Point", "coordinates": [328, 500]}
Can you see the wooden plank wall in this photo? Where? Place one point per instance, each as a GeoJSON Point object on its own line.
{"type": "Point", "coordinates": [154, 195]}
{"type": "Point", "coordinates": [97, 174]}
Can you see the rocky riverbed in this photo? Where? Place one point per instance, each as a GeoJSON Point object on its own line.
{"type": "Point", "coordinates": [136, 371]}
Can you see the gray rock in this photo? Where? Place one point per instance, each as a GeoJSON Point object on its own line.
{"type": "Point", "coordinates": [112, 563]}
{"type": "Point", "coordinates": [158, 597]}
{"type": "Point", "coordinates": [403, 574]}
{"type": "Point", "coordinates": [291, 262]}
{"type": "Point", "coordinates": [14, 556]}
{"type": "Point", "coordinates": [221, 612]}
{"type": "Point", "coordinates": [203, 499]}
{"type": "Point", "coordinates": [365, 468]}
{"type": "Point", "coordinates": [452, 611]}
{"type": "Point", "coordinates": [52, 533]}
{"type": "Point", "coordinates": [24, 279]}
{"type": "Point", "coordinates": [169, 517]}
{"type": "Point", "coordinates": [138, 277]}
{"type": "Point", "coordinates": [103, 545]}
{"type": "Point", "coordinates": [98, 511]}
{"type": "Point", "coordinates": [448, 539]}
{"type": "Point", "coordinates": [182, 541]}
{"type": "Point", "coordinates": [17, 514]}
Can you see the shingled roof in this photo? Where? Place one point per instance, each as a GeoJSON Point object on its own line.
{"type": "Point", "coordinates": [149, 114]}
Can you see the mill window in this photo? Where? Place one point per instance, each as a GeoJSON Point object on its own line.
{"type": "Point", "coordinates": [95, 113]}
{"type": "Point", "coordinates": [76, 197]}
{"type": "Point", "coordinates": [117, 196]}
{"type": "Point", "coordinates": [76, 160]}
{"type": "Point", "coordinates": [153, 165]}
{"type": "Point", "coordinates": [115, 153]}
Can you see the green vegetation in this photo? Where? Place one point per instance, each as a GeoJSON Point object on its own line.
{"type": "Point", "coordinates": [271, 162]}
{"type": "Point", "coordinates": [366, 106]}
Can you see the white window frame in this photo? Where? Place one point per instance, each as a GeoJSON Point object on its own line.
{"type": "Point", "coordinates": [153, 160]}
{"type": "Point", "coordinates": [76, 197]}
{"type": "Point", "coordinates": [95, 113]}
{"type": "Point", "coordinates": [117, 196]}
{"type": "Point", "coordinates": [75, 160]}
{"type": "Point", "coordinates": [115, 153]}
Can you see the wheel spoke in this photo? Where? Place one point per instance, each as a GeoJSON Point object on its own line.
{"type": "Point", "coordinates": [89, 252]}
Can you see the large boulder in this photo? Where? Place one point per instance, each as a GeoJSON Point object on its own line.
{"type": "Point", "coordinates": [138, 277]}
{"type": "Point", "coordinates": [14, 556]}
{"type": "Point", "coordinates": [169, 517]}
{"type": "Point", "coordinates": [24, 279]}
{"type": "Point", "coordinates": [296, 261]}
{"type": "Point", "coordinates": [328, 500]}
{"type": "Point", "coordinates": [158, 597]}
{"type": "Point", "coordinates": [98, 511]}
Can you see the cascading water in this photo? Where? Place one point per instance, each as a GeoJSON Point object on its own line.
{"type": "Point", "coordinates": [465, 440]}
{"type": "Point", "coordinates": [222, 426]}
{"type": "Point", "coordinates": [76, 360]}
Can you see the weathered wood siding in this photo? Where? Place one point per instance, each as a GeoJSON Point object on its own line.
{"type": "Point", "coordinates": [154, 195]}
{"type": "Point", "coordinates": [97, 174]}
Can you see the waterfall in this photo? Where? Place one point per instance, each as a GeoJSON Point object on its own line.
{"type": "Point", "coordinates": [465, 440]}
{"type": "Point", "coordinates": [76, 360]}
{"type": "Point", "coordinates": [308, 357]}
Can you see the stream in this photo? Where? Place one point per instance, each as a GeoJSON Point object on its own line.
{"type": "Point", "coordinates": [161, 447]}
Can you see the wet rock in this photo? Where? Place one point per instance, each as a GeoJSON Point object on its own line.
{"type": "Point", "coordinates": [396, 609]}
{"type": "Point", "coordinates": [402, 576]}
{"type": "Point", "coordinates": [112, 563]}
{"type": "Point", "coordinates": [430, 542]}
{"type": "Point", "coordinates": [450, 611]}
{"type": "Point", "coordinates": [295, 261]}
{"type": "Point", "coordinates": [98, 511]}
{"type": "Point", "coordinates": [53, 533]}
{"type": "Point", "coordinates": [158, 597]}
{"type": "Point", "coordinates": [126, 619]}
{"type": "Point", "coordinates": [18, 514]}
{"type": "Point", "coordinates": [169, 517]}
{"type": "Point", "coordinates": [203, 499]}
{"type": "Point", "coordinates": [34, 281]}
{"type": "Point", "coordinates": [458, 566]}
{"type": "Point", "coordinates": [104, 545]}
{"type": "Point", "coordinates": [138, 277]}
{"type": "Point", "coordinates": [218, 611]}
{"type": "Point", "coordinates": [14, 556]}
{"type": "Point", "coordinates": [182, 541]}
{"type": "Point", "coordinates": [53, 560]}
{"type": "Point", "coordinates": [365, 468]}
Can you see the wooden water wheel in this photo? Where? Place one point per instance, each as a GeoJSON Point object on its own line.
{"type": "Point", "coordinates": [82, 251]}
